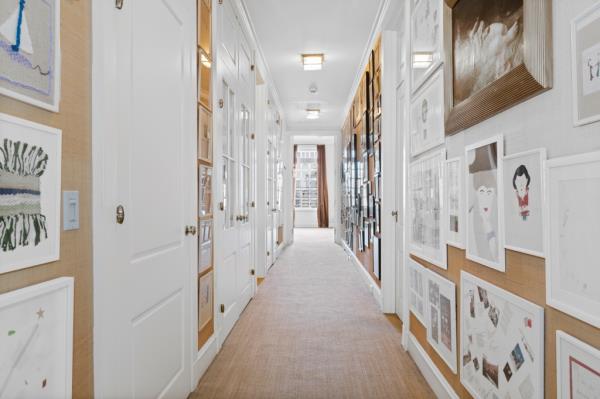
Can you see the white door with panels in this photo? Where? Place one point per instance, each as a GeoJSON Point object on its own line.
{"type": "Point", "coordinates": [400, 175]}
{"type": "Point", "coordinates": [144, 219]}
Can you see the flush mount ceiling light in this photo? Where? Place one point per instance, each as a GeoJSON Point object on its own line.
{"type": "Point", "coordinates": [422, 60]}
{"type": "Point", "coordinates": [312, 62]}
{"type": "Point", "coordinates": [313, 113]}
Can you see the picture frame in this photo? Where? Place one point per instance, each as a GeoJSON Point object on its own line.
{"type": "Point", "coordinates": [524, 202]}
{"type": "Point", "coordinates": [377, 257]}
{"type": "Point", "coordinates": [426, 50]}
{"type": "Point", "coordinates": [572, 223]}
{"type": "Point", "coordinates": [31, 73]}
{"type": "Point", "coordinates": [528, 68]}
{"type": "Point", "coordinates": [205, 245]}
{"type": "Point", "coordinates": [484, 230]}
{"type": "Point", "coordinates": [586, 86]}
{"type": "Point", "coordinates": [204, 191]}
{"type": "Point", "coordinates": [577, 368]}
{"type": "Point", "coordinates": [204, 80]}
{"type": "Point", "coordinates": [441, 317]}
{"type": "Point", "coordinates": [377, 158]}
{"type": "Point", "coordinates": [37, 340]}
{"type": "Point", "coordinates": [205, 135]}
{"type": "Point", "coordinates": [417, 283]}
{"type": "Point", "coordinates": [455, 192]}
{"type": "Point", "coordinates": [501, 341]}
{"type": "Point", "coordinates": [427, 116]}
{"type": "Point", "coordinates": [377, 128]}
{"type": "Point", "coordinates": [205, 299]}
{"type": "Point", "coordinates": [31, 195]}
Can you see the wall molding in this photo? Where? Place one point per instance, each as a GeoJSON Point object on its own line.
{"type": "Point", "coordinates": [373, 287]}
{"type": "Point", "coordinates": [204, 359]}
{"type": "Point", "coordinates": [432, 374]}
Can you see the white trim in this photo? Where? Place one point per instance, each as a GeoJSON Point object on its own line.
{"type": "Point", "coordinates": [203, 360]}
{"type": "Point", "coordinates": [373, 287]}
{"type": "Point", "coordinates": [433, 376]}
{"type": "Point", "coordinates": [564, 338]}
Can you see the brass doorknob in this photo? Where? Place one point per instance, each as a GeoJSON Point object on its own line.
{"type": "Point", "coordinates": [190, 230]}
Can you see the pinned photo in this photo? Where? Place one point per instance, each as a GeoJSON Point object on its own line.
{"type": "Point", "coordinates": [494, 315]}
{"type": "Point", "coordinates": [517, 356]}
{"type": "Point", "coordinates": [483, 297]}
{"type": "Point", "coordinates": [507, 372]}
{"type": "Point", "coordinates": [467, 358]}
{"type": "Point", "coordinates": [490, 371]}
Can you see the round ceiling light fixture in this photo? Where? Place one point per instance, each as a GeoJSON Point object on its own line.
{"type": "Point", "coordinates": [313, 89]}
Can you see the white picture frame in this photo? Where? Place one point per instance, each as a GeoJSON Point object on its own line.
{"type": "Point", "coordinates": [31, 195]}
{"type": "Point", "coordinates": [484, 238]}
{"type": "Point", "coordinates": [577, 368]}
{"type": "Point", "coordinates": [572, 268]}
{"type": "Point", "coordinates": [205, 245]}
{"type": "Point", "coordinates": [417, 280]}
{"type": "Point", "coordinates": [441, 317]}
{"type": "Point", "coordinates": [427, 116]}
{"type": "Point", "coordinates": [455, 202]}
{"type": "Point", "coordinates": [427, 238]}
{"type": "Point", "coordinates": [585, 29]}
{"type": "Point", "coordinates": [502, 334]}
{"type": "Point", "coordinates": [205, 299]}
{"type": "Point", "coordinates": [30, 70]}
{"type": "Point", "coordinates": [36, 344]}
{"type": "Point", "coordinates": [524, 191]}
{"type": "Point", "coordinates": [426, 49]}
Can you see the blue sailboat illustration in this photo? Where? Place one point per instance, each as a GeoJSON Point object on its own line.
{"type": "Point", "coordinates": [16, 30]}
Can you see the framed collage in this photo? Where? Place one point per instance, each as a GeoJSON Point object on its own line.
{"type": "Point", "coordinates": [441, 317]}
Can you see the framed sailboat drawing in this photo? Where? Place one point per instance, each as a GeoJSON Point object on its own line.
{"type": "Point", "coordinates": [30, 51]}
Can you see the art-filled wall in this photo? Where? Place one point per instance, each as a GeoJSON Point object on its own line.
{"type": "Point", "coordinates": [503, 142]}
{"type": "Point", "coordinates": [43, 84]}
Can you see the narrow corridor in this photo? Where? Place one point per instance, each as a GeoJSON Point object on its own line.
{"type": "Point", "coordinates": [313, 331]}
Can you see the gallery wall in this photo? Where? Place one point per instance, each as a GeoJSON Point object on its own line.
{"type": "Point", "coordinates": [74, 120]}
{"type": "Point", "coordinates": [544, 121]}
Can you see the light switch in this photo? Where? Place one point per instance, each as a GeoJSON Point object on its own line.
{"type": "Point", "coordinates": [70, 210]}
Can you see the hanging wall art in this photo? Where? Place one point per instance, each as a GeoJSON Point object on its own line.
{"type": "Point", "coordinates": [417, 277]}
{"type": "Point", "coordinates": [30, 172]}
{"type": "Point", "coordinates": [455, 202]}
{"type": "Point", "coordinates": [441, 320]}
{"type": "Point", "coordinates": [426, 40]}
{"type": "Point", "coordinates": [577, 368]}
{"type": "Point", "coordinates": [427, 116]}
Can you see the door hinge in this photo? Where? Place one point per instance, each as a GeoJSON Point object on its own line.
{"type": "Point", "coordinates": [222, 308]}
{"type": "Point", "coordinates": [221, 206]}
{"type": "Point", "coordinates": [252, 272]}
{"type": "Point", "coordinates": [252, 136]}
{"type": "Point", "coordinates": [221, 103]}
{"type": "Point", "coordinates": [252, 67]}
{"type": "Point", "coordinates": [118, 4]}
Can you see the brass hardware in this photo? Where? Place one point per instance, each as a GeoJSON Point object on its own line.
{"type": "Point", "coordinates": [395, 214]}
{"type": "Point", "coordinates": [221, 103]}
{"type": "Point", "coordinates": [220, 1]}
{"type": "Point", "coordinates": [190, 230]}
{"type": "Point", "coordinates": [120, 214]}
{"type": "Point", "coordinates": [268, 203]}
{"type": "Point", "coordinates": [119, 4]}
{"type": "Point", "coordinates": [268, 253]}
{"type": "Point", "coordinates": [252, 272]}
{"type": "Point", "coordinates": [252, 67]}
{"type": "Point", "coordinates": [252, 136]}
{"type": "Point", "coordinates": [221, 206]}
{"type": "Point", "coordinates": [222, 308]}
{"type": "Point", "coordinates": [274, 210]}
{"type": "Point", "coordinates": [253, 204]}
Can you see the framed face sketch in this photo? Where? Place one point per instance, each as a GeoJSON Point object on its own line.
{"type": "Point", "coordinates": [455, 203]}
{"type": "Point", "coordinates": [573, 223]}
{"type": "Point", "coordinates": [497, 55]}
{"type": "Point", "coordinates": [577, 368]}
{"type": "Point", "coordinates": [441, 320]}
{"type": "Point", "coordinates": [485, 201]}
{"type": "Point", "coordinates": [524, 202]}
{"type": "Point", "coordinates": [426, 33]}
{"type": "Point", "coordinates": [585, 60]}
{"type": "Point", "coordinates": [427, 116]}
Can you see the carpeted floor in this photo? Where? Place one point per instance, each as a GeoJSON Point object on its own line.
{"type": "Point", "coordinates": [313, 331]}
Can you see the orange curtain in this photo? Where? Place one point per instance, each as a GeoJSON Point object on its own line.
{"type": "Point", "coordinates": [323, 196]}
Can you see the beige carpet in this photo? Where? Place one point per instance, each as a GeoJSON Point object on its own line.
{"type": "Point", "coordinates": [313, 331]}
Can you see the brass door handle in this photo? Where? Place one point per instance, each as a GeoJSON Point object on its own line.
{"type": "Point", "coordinates": [190, 230]}
{"type": "Point", "coordinates": [120, 214]}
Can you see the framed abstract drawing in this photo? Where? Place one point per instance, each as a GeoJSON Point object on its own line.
{"type": "Point", "coordinates": [497, 54]}
{"type": "Point", "coordinates": [441, 317]}
{"type": "Point", "coordinates": [427, 116]}
{"type": "Point", "coordinates": [205, 138]}
{"type": "Point", "coordinates": [30, 55]}
{"type": "Point", "coordinates": [204, 191]}
{"type": "Point", "coordinates": [573, 223]}
{"type": "Point", "coordinates": [455, 203]}
{"type": "Point", "coordinates": [30, 193]}
{"type": "Point", "coordinates": [36, 344]}
{"type": "Point", "coordinates": [426, 40]}
{"type": "Point", "coordinates": [577, 368]}
{"type": "Point", "coordinates": [485, 203]}
{"type": "Point", "coordinates": [524, 202]}
{"type": "Point", "coordinates": [585, 64]}
{"type": "Point", "coordinates": [501, 342]}
{"type": "Point", "coordinates": [417, 281]}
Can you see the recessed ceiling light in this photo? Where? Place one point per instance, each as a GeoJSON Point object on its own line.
{"type": "Point", "coordinates": [422, 60]}
{"type": "Point", "coordinates": [312, 62]}
{"type": "Point", "coordinates": [313, 113]}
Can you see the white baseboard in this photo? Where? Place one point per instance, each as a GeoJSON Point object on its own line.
{"type": "Point", "coordinates": [204, 359]}
{"type": "Point", "coordinates": [373, 287]}
{"type": "Point", "coordinates": [432, 374]}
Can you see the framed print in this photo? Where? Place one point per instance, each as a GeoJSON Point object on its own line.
{"type": "Point", "coordinates": [585, 64]}
{"type": "Point", "coordinates": [205, 191]}
{"type": "Point", "coordinates": [577, 368]}
{"type": "Point", "coordinates": [365, 168]}
{"type": "Point", "coordinates": [427, 236]}
{"type": "Point", "coordinates": [426, 40]}
{"type": "Point", "coordinates": [36, 344]}
{"type": "Point", "coordinates": [377, 257]}
{"type": "Point", "coordinates": [485, 203]}
{"type": "Point", "coordinates": [204, 80]}
{"type": "Point", "coordinates": [205, 245]}
{"type": "Point", "coordinates": [30, 191]}
{"type": "Point", "coordinates": [524, 202]}
{"type": "Point", "coordinates": [377, 157]}
{"type": "Point", "coordinates": [204, 135]}
{"type": "Point", "coordinates": [377, 207]}
{"type": "Point", "coordinates": [497, 54]}
{"type": "Point", "coordinates": [455, 203]}
{"type": "Point", "coordinates": [427, 116]}
{"type": "Point", "coordinates": [30, 56]}
{"type": "Point", "coordinates": [377, 128]}
{"type": "Point", "coordinates": [205, 300]}
{"type": "Point", "coordinates": [417, 280]}
{"type": "Point", "coordinates": [441, 317]}
{"type": "Point", "coordinates": [573, 223]}
{"type": "Point", "coordinates": [501, 342]}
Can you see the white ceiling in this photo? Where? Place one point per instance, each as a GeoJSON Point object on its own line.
{"type": "Point", "coordinates": [338, 28]}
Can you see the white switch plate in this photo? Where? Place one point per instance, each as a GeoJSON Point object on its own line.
{"type": "Point", "coordinates": [70, 210]}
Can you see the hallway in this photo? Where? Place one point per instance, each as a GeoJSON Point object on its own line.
{"type": "Point", "coordinates": [313, 331]}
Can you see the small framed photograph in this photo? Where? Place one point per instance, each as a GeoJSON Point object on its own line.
{"type": "Point", "coordinates": [455, 203]}
{"type": "Point", "coordinates": [377, 156]}
{"type": "Point", "coordinates": [524, 202]}
{"type": "Point", "coordinates": [585, 64]}
{"type": "Point", "coordinates": [417, 281]}
{"type": "Point", "coordinates": [204, 191]}
{"type": "Point", "coordinates": [377, 128]}
{"type": "Point", "coordinates": [577, 368]}
{"type": "Point", "coordinates": [427, 116]}
{"type": "Point", "coordinates": [205, 300]}
{"type": "Point", "coordinates": [205, 245]}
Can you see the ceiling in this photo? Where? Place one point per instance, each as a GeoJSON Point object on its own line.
{"type": "Point", "coordinates": [340, 29]}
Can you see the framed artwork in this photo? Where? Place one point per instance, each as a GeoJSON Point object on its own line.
{"type": "Point", "coordinates": [205, 191]}
{"type": "Point", "coordinates": [377, 157]}
{"type": "Point", "coordinates": [426, 40]}
{"type": "Point", "coordinates": [485, 203]}
{"type": "Point", "coordinates": [371, 207]}
{"type": "Point", "coordinates": [205, 300]}
{"type": "Point", "coordinates": [377, 92]}
{"type": "Point", "coordinates": [427, 236]}
{"type": "Point", "coordinates": [204, 135]}
{"type": "Point", "coordinates": [377, 257]}
{"type": "Point", "coordinates": [205, 253]}
{"type": "Point", "coordinates": [573, 223]}
{"type": "Point", "coordinates": [427, 116]}
{"type": "Point", "coordinates": [441, 317]}
{"type": "Point", "coordinates": [30, 191]}
{"type": "Point", "coordinates": [455, 203]}
{"type": "Point", "coordinates": [356, 115]}
{"type": "Point", "coordinates": [204, 80]}
{"type": "Point", "coordinates": [365, 168]}
{"type": "Point", "coordinates": [36, 344]}
{"type": "Point", "coordinates": [524, 202]}
{"type": "Point", "coordinates": [377, 128]}
{"type": "Point", "coordinates": [417, 280]}
{"type": "Point", "coordinates": [497, 54]}
{"type": "Point", "coordinates": [577, 368]}
{"type": "Point", "coordinates": [377, 187]}
{"type": "Point", "coordinates": [585, 64]}
{"type": "Point", "coordinates": [377, 207]}
{"type": "Point", "coordinates": [30, 56]}
{"type": "Point", "coordinates": [501, 342]}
